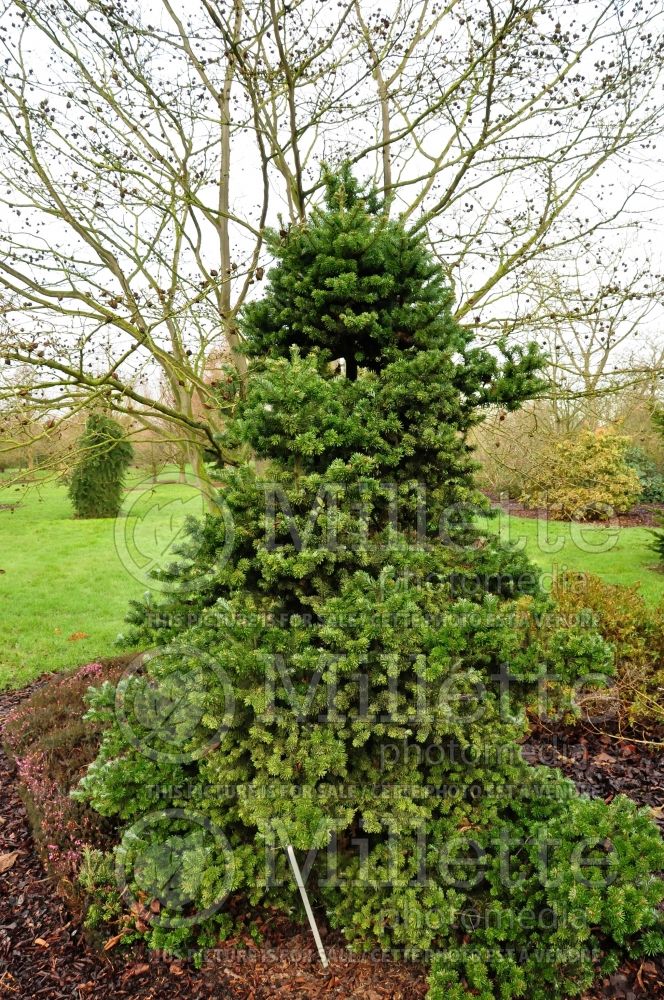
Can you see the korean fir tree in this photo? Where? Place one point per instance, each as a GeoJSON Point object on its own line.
{"type": "Point", "coordinates": [105, 454]}
{"type": "Point", "coordinates": [372, 651]}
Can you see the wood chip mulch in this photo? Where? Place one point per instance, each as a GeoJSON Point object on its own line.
{"type": "Point", "coordinates": [604, 764]}
{"type": "Point", "coordinates": [43, 953]}
{"type": "Point", "coordinates": [640, 516]}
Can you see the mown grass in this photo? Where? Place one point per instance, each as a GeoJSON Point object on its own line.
{"type": "Point", "coordinates": [617, 554]}
{"type": "Point", "coordinates": [65, 583]}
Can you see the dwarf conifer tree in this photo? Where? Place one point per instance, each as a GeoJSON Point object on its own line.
{"type": "Point", "coordinates": [98, 478]}
{"type": "Point", "coordinates": [373, 652]}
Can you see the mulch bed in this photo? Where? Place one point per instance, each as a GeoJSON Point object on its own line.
{"type": "Point", "coordinates": [604, 764]}
{"type": "Point", "coordinates": [640, 516]}
{"type": "Point", "coordinates": [43, 952]}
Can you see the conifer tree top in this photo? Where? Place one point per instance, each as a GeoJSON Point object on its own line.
{"type": "Point", "coordinates": [352, 283]}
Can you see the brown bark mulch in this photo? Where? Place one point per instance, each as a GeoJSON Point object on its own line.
{"type": "Point", "coordinates": [603, 764]}
{"type": "Point", "coordinates": [640, 516]}
{"type": "Point", "coordinates": [43, 952]}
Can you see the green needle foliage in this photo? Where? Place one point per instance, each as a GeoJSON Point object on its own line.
{"type": "Point", "coordinates": [373, 653]}
{"type": "Point", "coordinates": [98, 478]}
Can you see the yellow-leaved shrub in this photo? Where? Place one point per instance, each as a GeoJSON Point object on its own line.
{"type": "Point", "coordinates": [585, 477]}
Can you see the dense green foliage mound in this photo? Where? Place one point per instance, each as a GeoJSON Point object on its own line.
{"type": "Point", "coordinates": [346, 660]}
{"type": "Point", "coordinates": [651, 479]}
{"type": "Point", "coordinates": [98, 478]}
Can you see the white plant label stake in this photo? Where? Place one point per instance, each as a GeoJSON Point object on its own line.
{"type": "Point", "coordinates": [307, 905]}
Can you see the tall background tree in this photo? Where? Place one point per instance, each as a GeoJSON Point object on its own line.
{"type": "Point", "coordinates": [145, 147]}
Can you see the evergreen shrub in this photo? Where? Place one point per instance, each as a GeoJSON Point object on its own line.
{"type": "Point", "coordinates": [98, 478]}
{"type": "Point", "coordinates": [585, 477]}
{"type": "Point", "coordinates": [350, 676]}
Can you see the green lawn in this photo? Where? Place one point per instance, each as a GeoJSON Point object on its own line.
{"type": "Point", "coordinates": [63, 578]}
{"type": "Point", "coordinates": [618, 555]}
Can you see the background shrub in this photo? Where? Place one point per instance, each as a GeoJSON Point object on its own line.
{"type": "Point", "coordinates": [98, 478]}
{"type": "Point", "coordinates": [586, 477]}
{"type": "Point", "coordinates": [651, 479]}
{"type": "Point", "coordinates": [636, 633]}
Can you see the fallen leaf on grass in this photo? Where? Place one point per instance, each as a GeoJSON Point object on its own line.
{"type": "Point", "coordinates": [75, 636]}
{"type": "Point", "coordinates": [7, 861]}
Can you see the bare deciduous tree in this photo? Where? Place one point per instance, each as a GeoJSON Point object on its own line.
{"type": "Point", "coordinates": [145, 148]}
{"type": "Point", "coordinates": [598, 317]}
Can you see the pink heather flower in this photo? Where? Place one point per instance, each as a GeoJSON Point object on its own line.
{"type": "Point", "coordinates": [90, 670]}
